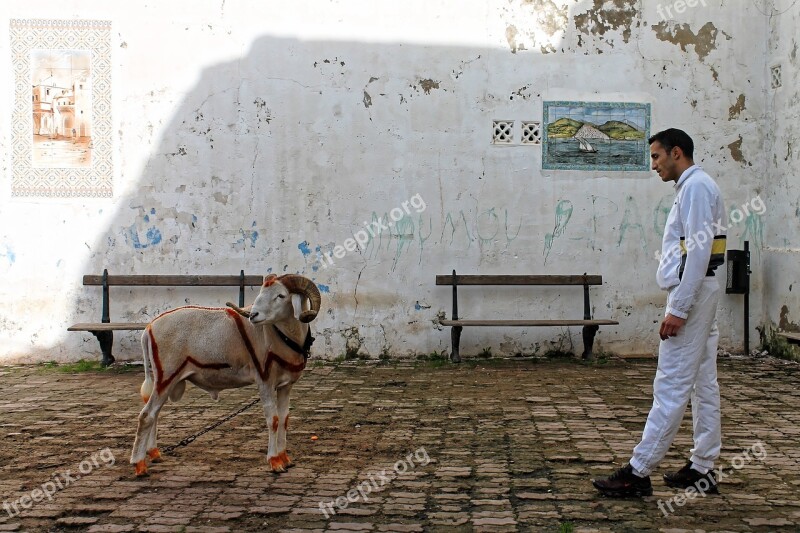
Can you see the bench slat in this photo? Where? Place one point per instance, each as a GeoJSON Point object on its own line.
{"type": "Point", "coordinates": [600, 322]}
{"type": "Point", "coordinates": [489, 279]}
{"type": "Point", "coordinates": [793, 338]}
{"type": "Point", "coordinates": [107, 326]}
{"type": "Point", "coordinates": [158, 280]}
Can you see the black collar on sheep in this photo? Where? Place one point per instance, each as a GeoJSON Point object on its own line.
{"type": "Point", "coordinates": [305, 349]}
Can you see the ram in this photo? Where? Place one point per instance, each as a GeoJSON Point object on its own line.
{"type": "Point", "coordinates": [220, 348]}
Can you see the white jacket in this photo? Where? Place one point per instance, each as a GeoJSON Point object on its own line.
{"type": "Point", "coordinates": [694, 239]}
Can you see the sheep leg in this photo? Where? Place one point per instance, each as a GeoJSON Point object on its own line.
{"type": "Point", "coordinates": [283, 424]}
{"type": "Point", "coordinates": [268, 400]}
{"type": "Point", "coordinates": [146, 431]}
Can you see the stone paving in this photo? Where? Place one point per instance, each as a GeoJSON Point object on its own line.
{"type": "Point", "coordinates": [492, 445]}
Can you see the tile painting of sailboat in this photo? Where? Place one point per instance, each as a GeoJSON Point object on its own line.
{"type": "Point", "coordinates": [609, 136]}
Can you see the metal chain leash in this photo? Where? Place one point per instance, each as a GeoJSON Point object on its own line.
{"type": "Point", "coordinates": [191, 438]}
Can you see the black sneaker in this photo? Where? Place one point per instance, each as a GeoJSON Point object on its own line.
{"type": "Point", "coordinates": [689, 477]}
{"type": "Point", "coordinates": [624, 482]}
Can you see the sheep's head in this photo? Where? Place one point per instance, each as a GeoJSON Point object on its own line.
{"type": "Point", "coordinates": [274, 302]}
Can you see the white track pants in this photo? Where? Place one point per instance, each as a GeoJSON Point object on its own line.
{"type": "Point", "coordinates": [687, 369]}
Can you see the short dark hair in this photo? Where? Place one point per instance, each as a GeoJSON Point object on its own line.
{"type": "Point", "coordinates": [670, 138]}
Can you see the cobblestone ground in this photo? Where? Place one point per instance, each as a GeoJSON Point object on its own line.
{"type": "Point", "coordinates": [512, 446]}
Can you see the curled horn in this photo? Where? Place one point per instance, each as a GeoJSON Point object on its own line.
{"type": "Point", "coordinates": [239, 310]}
{"type": "Point", "coordinates": [301, 285]}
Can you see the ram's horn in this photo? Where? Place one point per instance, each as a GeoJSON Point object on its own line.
{"type": "Point", "coordinates": [302, 285]}
{"type": "Point", "coordinates": [239, 310]}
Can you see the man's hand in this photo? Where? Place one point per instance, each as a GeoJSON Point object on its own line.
{"type": "Point", "coordinates": [670, 326]}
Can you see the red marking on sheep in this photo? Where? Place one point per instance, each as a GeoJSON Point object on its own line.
{"type": "Point", "coordinates": [162, 383]}
{"type": "Point", "coordinates": [286, 422]}
{"type": "Point", "coordinates": [141, 468]}
{"type": "Point", "coordinates": [165, 313]}
{"type": "Point", "coordinates": [263, 372]}
{"type": "Point", "coordinates": [275, 423]}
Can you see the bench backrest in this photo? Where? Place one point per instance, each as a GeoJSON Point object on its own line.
{"type": "Point", "coordinates": [515, 279]}
{"type": "Point", "coordinates": [158, 280]}
{"type": "Point", "coordinates": [535, 279]}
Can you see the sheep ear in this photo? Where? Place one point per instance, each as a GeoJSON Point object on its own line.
{"type": "Point", "coordinates": [269, 280]}
{"type": "Point", "coordinates": [298, 304]}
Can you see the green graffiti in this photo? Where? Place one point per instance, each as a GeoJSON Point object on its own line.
{"type": "Point", "coordinates": [563, 214]}
{"type": "Point", "coordinates": [491, 216]}
{"type": "Point", "coordinates": [453, 228]}
{"type": "Point", "coordinates": [661, 212]}
{"type": "Point", "coordinates": [631, 220]}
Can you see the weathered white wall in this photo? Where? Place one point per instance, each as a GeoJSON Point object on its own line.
{"type": "Point", "coordinates": [780, 234]}
{"type": "Point", "coordinates": [250, 133]}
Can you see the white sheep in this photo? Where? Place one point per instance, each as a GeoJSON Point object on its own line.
{"type": "Point", "coordinates": [216, 349]}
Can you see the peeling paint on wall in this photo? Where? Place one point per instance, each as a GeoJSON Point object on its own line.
{"type": "Point", "coordinates": [736, 109]}
{"type": "Point", "coordinates": [704, 41]}
{"type": "Point", "coordinates": [532, 24]}
{"type": "Point", "coordinates": [427, 85]}
{"type": "Point", "coordinates": [736, 151]}
{"type": "Point", "coordinates": [605, 15]}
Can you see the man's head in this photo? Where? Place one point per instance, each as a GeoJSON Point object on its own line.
{"type": "Point", "coordinates": [671, 152]}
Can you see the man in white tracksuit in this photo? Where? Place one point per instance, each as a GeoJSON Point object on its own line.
{"type": "Point", "coordinates": [693, 246]}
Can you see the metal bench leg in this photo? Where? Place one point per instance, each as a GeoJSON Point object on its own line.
{"type": "Point", "coordinates": [106, 339]}
{"type": "Point", "coordinates": [588, 340]}
{"type": "Point", "coordinates": [455, 335]}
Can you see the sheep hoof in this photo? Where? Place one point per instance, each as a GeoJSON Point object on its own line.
{"type": "Point", "coordinates": [154, 455]}
{"type": "Point", "coordinates": [141, 468]}
{"type": "Point", "coordinates": [277, 464]}
{"type": "Point", "coordinates": [287, 462]}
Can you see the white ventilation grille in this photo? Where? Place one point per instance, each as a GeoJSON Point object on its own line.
{"type": "Point", "coordinates": [502, 131]}
{"type": "Point", "coordinates": [776, 76]}
{"type": "Point", "coordinates": [531, 133]}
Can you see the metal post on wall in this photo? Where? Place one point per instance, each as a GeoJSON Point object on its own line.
{"type": "Point", "coordinates": [739, 283]}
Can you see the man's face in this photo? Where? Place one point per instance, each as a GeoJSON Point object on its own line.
{"type": "Point", "coordinates": [663, 163]}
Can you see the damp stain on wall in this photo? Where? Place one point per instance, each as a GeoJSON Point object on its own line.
{"type": "Point", "coordinates": [785, 324]}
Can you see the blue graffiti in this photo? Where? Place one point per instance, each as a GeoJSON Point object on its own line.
{"type": "Point", "coordinates": [323, 288]}
{"type": "Point", "coordinates": [251, 236]}
{"type": "Point", "coordinates": [303, 247]}
{"type": "Point", "coordinates": [153, 237]}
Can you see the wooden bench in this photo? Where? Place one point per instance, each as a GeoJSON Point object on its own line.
{"type": "Point", "coordinates": [590, 327]}
{"type": "Point", "coordinates": [104, 330]}
{"type": "Point", "coordinates": [791, 338]}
